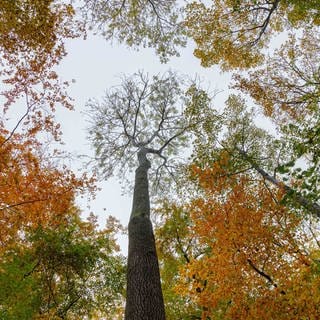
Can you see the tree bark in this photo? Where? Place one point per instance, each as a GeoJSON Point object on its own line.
{"type": "Point", "coordinates": [144, 295]}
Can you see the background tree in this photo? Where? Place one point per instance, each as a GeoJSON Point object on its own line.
{"type": "Point", "coordinates": [68, 271]}
{"type": "Point", "coordinates": [177, 246]}
{"type": "Point", "coordinates": [234, 277]}
{"type": "Point", "coordinates": [234, 33]}
{"type": "Point", "coordinates": [34, 191]}
{"type": "Point", "coordinates": [31, 45]}
{"type": "Point", "coordinates": [285, 86]}
{"type": "Point", "coordinates": [253, 149]}
{"type": "Point", "coordinates": [142, 117]}
{"type": "Point", "coordinates": [288, 93]}
{"type": "Point", "coordinates": [260, 259]}
{"type": "Point", "coordinates": [136, 23]}
{"type": "Point", "coordinates": [242, 178]}
{"type": "Point", "coordinates": [53, 265]}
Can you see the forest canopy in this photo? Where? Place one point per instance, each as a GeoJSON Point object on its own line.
{"type": "Point", "coordinates": [236, 222]}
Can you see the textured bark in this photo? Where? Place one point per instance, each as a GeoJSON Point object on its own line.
{"type": "Point", "coordinates": [144, 295]}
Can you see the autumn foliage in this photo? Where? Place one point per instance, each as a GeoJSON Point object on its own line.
{"type": "Point", "coordinates": [47, 251]}
{"type": "Point", "coordinates": [32, 43]}
{"type": "Point", "coordinates": [235, 34]}
{"type": "Point", "coordinates": [241, 239]}
{"type": "Point", "coordinates": [259, 259]}
{"type": "Point", "coordinates": [34, 192]}
{"type": "Point", "coordinates": [51, 260]}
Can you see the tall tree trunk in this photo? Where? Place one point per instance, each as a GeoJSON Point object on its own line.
{"type": "Point", "coordinates": [144, 295]}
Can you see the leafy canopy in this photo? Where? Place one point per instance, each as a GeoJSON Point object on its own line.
{"type": "Point", "coordinates": [234, 33]}
{"type": "Point", "coordinates": [259, 259]}
{"type": "Point", "coordinates": [32, 40]}
{"type": "Point", "coordinates": [53, 265]}
{"type": "Point", "coordinates": [146, 23]}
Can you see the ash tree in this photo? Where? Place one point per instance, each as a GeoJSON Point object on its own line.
{"type": "Point", "coordinates": [144, 123]}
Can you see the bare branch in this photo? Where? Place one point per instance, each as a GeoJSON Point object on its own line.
{"type": "Point", "coordinates": [29, 106]}
{"type": "Point", "coordinates": [139, 114]}
{"type": "Point", "coordinates": [263, 274]}
{"type": "Point", "coordinates": [313, 207]}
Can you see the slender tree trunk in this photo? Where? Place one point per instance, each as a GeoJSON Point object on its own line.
{"type": "Point", "coordinates": [144, 295]}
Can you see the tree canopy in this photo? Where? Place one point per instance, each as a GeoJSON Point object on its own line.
{"type": "Point", "coordinates": [53, 263]}
{"type": "Point", "coordinates": [149, 113]}
{"type": "Point", "coordinates": [251, 205]}
{"type": "Point", "coordinates": [238, 236]}
{"type": "Point", "coordinates": [234, 33]}
{"type": "Point", "coordinates": [137, 23]}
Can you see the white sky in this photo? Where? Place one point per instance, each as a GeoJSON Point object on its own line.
{"type": "Point", "coordinates": [95, 64]}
